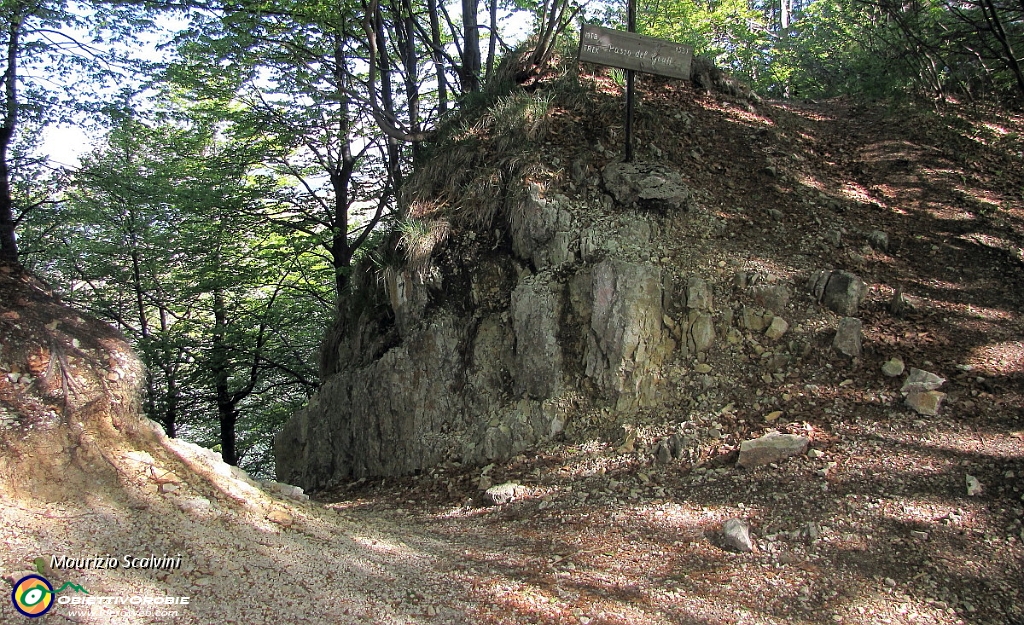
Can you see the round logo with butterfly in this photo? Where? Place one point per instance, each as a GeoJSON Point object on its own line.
{"type": "Point", "coordinates": [32, 596]}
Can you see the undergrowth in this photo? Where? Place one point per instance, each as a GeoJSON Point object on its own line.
{"type": "Point", "coordinates": [474, 170]}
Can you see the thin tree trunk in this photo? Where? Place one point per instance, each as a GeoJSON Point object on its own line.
{"type": "Point", "coordinates": [412, 89]}
{"type": "Point", "coordinates": [471, 46]}
{"type": "Point", "coordinates": [8, 240]}
{"type": "Point", "coordinates": [991, 14]}
{"type": "Point", "coordinates": [435, 45]}
{"type": "Point", "coordinates": [492, 43]}
{"type": "Point", "coordinates": [170, 368]}
{"type": "Point", "coordinates": [226, 413]}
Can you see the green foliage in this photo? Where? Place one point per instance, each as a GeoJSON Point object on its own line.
{"type": "Point", "coordinates": [832, 47]}
{"type": "Point", "coordinates": [161, 233]}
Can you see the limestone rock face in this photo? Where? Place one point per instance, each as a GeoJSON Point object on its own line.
{"type": "Point", "coordinates": [481, 361]}
{"type": "Point", "coordinates": [625, 324]}
{"type": "Point", "coordinates": [567, 319]}
{"type": "Point", "coordinates": [536, 313]}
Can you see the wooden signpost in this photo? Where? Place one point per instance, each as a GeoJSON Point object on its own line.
{"type": "Point", "coordinates": [636, 52]}
{"type": "Point", "coordinates": [633, 52]}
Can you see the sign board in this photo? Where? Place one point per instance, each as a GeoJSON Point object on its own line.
{"type": "Point", "coordinates": [605, 46]}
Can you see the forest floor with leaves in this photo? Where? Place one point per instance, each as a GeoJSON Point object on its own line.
{"type": "Point", "coordinates": [875, 524]}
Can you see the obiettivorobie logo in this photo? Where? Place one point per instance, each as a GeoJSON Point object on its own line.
{"type": "Point", "coordinates": [33, 595]}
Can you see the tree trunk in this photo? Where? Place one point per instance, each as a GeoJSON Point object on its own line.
{"type": "Point", "coordinates": [412, 89]}
{"type": "Point", "coordinates": [340, 176]}
{"type": "Point", "coordinates": [470, 73]}
{"type": "Point", "coordinates": [492, 43]}
{"type": "Point", "coordinates": [8, 240]}
{"type": "Point", "coordinates": [219, 367]}
{"type": "Point", "coordinates": [435, 45]}
{"type": "Point", "coordinates": [170, 369]}
{"type": "Point", "coordinates": [991, 13]}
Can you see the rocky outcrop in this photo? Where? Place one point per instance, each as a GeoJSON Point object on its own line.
{"type": "Point", "coordinates": [567, 321]}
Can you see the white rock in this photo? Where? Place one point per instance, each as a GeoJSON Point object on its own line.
{"type": "Point", "coordinates": [198, 506]}
{"type": "Point", "coordinates": [771, 447]}
{"type": "Point", "coordinates": [973, 486]}
{"type": "Point", "coordinates": [919, 380]}
{"type": "Point", "coordinates": [736, 535]}
{"type": "Point", "coordinates": [503, 493]}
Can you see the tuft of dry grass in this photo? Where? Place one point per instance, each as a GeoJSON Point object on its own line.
{"type": "Point", "coordinates": [493, 146]}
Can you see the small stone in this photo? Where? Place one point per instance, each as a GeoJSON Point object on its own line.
{"type": "Point", "coordinates": [839, 291]}
{"type": "Point", "coordinates": [752, 320]}
{"type": "Point", "coordinates": [664, 452]}
{"type": "Point", "coordinates": [700, 335]}
{"type": "Point", "coordinates": [879, 240]}
{"type": "Point", "coordinates": [893, 367]}
{"type": "Point", "coordinates": [280, 517]}
{"type": "Point", "coordinates": [199, 506]}
{"type": "Point", "coordinates": [848, 337]}
{"type": "Point", "coordinates": [168, 488]}
{"type": "Point", "coordinates": [919, 535]}
{"type": "Point", "coordinates": [919, 380]}
{"type": "Point", "coordinates": [890, 582]}
{"type": "Point", "coordinates": [774, 297]}
{"type": "Point", "coordinates": [772, 416]}
{"type": "Point", "coordinates": [815, 453]}
{"type": "Point", "coordinates": [777, 328]}
{"type": "Point", "coordinates": [770, 448]}
{"type": "Point", "coordinates": [973, 486]}
{"type": "Point", "coordinates": [698, 295]}
{"type": "Point", "coordinates": [703, 368]}
{"type": "Point", "coordinates": [503, 493]}
{"type": "Point", "coordinates": [926, 402]}
{"type": "Point", "coordinates": [736, 536]}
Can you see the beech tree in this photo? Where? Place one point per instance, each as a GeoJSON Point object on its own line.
{"type": "Point", "coordinates": [157, 234]}
{"type": "Point", "coordinates": [45, 66]}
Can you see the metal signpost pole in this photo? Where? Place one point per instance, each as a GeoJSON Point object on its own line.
{"type": "Point", "coordinates": [630, 27]}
